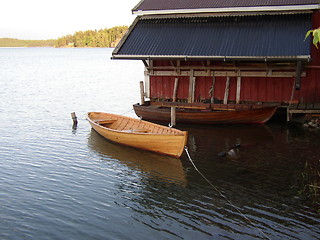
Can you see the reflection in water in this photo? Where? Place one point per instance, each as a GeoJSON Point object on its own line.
{"type": "Point", "coordinates": [155, 165]}
{"type": "Point", "coordinates": [262, 182]}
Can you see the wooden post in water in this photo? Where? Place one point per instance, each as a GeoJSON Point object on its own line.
{"type": "Point", "coordinates": [238, 88]}
{"type": "Point", "coordinates": [173, 116]}
{"type": "Point", "coordinates": [142, 92]}
{"type": "Point", "coordinates": [226, 92]}
{"type": "Point", "coordinates": [74, 118]}
{"type": "Point", "coordinates": [175, 89]}
{"type": "Point", "coordinates": [212, 88]}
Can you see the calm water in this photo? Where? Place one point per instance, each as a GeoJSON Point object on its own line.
{"type": "Point", "coordinates": [62, 183]}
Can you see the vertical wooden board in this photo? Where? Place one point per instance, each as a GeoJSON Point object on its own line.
{"type": "Point", "coordinates": [153, 87]}
{"type": "Point", "coordinates": [290, 83]}
{"type": "Point", "coordinates": [308, 88]}
{"type": "Point", "coordinates": [263, 89]}
{"type": "Point", "coordinates": [232, 88]}
{"type": "Point", "coordinates": [166, 87]}
{"type": "Point", "coordinates": [220, 86]}
{"type": "Point", "coordinates": [183, 88]}
{"type": "Point", "coordinates": [245, 88]}
{"type": "Point", "coordinates": [201, 88]}
{"type": "Point", "coordinates": [253, 89]}
{"type": "Point", "coordinates": [280, 90]}
{"type": "Point", "coordinates": [260, 88]}
{"type": "Point", "coordinates": [269, 89]}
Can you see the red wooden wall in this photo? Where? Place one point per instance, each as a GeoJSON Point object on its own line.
{"type": "Point", "coordinates": [258, 89]}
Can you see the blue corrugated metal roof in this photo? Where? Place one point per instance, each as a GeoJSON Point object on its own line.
{"type": "Point", "coordinates": [215, 37]}
{"type": "Point", "coordinates": [147, 5]}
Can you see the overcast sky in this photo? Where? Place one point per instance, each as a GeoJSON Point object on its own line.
{"type": "Point", "coordinates": [40, 19]}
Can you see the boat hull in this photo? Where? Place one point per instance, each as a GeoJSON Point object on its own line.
{"type": "Point", "coordinates": [160, 140]}
{"type": "Point", "coordinates": [224, 115]}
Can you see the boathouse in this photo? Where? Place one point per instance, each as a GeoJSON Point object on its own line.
{"type": "Point", "coordinates": [222, 51]}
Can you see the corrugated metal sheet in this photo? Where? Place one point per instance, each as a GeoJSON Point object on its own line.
{"type": "Point", "coordinates": [148, 5]}
{"type": "Point", "coordinates": [242, 36]}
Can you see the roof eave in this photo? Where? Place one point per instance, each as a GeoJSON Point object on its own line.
{"type": "Point", "coordinates": [224, 58]}
{"type": "Point", "coordinates": [231, 9]}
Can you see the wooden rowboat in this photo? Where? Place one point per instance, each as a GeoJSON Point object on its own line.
{"type": "Point", "coordinates": [205, 113]}
{"type": "Point", "coordinates": [138, 133]}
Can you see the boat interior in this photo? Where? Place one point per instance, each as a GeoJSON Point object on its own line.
{"type": "Point", "coordinates": [129, 125]}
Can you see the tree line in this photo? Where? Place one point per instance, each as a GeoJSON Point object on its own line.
{"type": "Point", "coordinates": [90, 38]}
{"type": "Point", "coordinates": [93, 38]}
{"type": "Point", "coordinates": [13, 42]}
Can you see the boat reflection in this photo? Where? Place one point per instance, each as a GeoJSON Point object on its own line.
{"type": "Point", "coordinates": [154, 165]}
{"type": "Point", "coordinates": [226, 140]}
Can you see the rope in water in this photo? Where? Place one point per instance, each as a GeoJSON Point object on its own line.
{"type": "Point", "coordinates": [223, 196]}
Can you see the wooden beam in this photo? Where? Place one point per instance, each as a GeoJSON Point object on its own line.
{"type": "Point", "coordinates": [175, 89]}
{"type": "Point", "coordinates": [145, 63]}
{"type": "Point", "coordinates": [223, 73]}
{"type": "Point", "coordinates": [173, 116]}
{"type": "Point", "coordinates": [191, 87]}
{"type": "Point", "coordinates": [142, 92]}
{"type": "Point", "coordinates": [238, 88]}
{"type": "Point", "coordinates": [211, 92]}
{"type": "Point", "coordinates": [226, 92]}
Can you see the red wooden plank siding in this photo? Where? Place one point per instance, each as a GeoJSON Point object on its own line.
{"type": "Point", "coordinates": [259, 89]}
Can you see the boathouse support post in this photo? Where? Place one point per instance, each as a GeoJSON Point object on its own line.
{"type": "Point", "coordinates": [238, 88]}
{"type": "Point", "coordinates": [175, 89]}
{"type": "Point", "coordinates": [226, 92]}
{"type": "Point", "coordinates": [142, 94]}
{"type": "Point", "coordinates": [192, 83]}
{"type": "Point", "coordinates": [173, 116]}
{"type": "Point", "coordinates": [212, 88]}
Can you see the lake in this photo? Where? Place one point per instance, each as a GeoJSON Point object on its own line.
{"type": "Point", "coordinates": [60, 182]}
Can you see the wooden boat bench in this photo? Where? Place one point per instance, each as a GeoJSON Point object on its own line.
{"type": "Point", "coordinates": [135, 130]}
{"type": "Point", "coordinates": [105, 121]}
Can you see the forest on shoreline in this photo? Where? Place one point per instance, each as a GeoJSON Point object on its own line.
{"type": "Point", "coordinates": [90, 38]}
{"type": "Point", "coordinates": [13, 42]}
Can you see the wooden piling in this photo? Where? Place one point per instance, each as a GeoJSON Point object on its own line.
{"type": "Point", "coordinates": [212, 88]}
{"type": "Point", "coordinates": [226, 92]}
{"type": "Point", "coordinates": [175, 89]}
{"type": "Point", "coordinates": [142, 94]}
{"type": "Point", "coordinates": [74, 118]}
{"type": "Point", "coordinates": [238, 88]}
{"type": "Point", "coordinates": [173, 116]}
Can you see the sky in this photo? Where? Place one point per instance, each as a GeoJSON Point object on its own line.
{"type": "Point", "coordinates": [41, 20]}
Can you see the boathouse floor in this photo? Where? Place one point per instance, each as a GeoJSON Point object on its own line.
{"type": "Point", "coordinates": [306, 109]}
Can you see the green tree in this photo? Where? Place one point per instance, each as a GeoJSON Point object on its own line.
{"type": "Point", "coordinates": [93, 38]}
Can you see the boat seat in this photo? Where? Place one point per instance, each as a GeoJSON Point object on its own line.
{"type": "Point", "coordinates": [135, 130]}
{"type": "Point", "coordinates": [105, 121]}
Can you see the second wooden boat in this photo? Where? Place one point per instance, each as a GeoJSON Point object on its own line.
{"type": "Point", "coordinates": [138, 133]}
{"type": "Point", "coordinates": [205, 113]}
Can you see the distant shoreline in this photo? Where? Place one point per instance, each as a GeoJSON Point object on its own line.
{"type": "Point", "coordinates": [13, 42]}
{"type": "Point", "coordinates": [103, 38]}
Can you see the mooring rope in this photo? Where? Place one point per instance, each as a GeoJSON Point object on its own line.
{"type": "Point", "coordinates": [223, 196]}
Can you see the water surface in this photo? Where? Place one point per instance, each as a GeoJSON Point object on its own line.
{"type": "Point", "coordinates": [57, 182]}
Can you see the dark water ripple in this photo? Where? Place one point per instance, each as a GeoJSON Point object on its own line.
{"type": "Point", "coordinates": [62, 183]}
